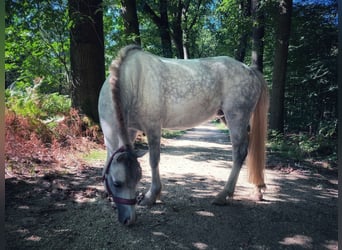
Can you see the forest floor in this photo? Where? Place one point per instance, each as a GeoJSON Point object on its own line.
{"type": "Point", "coordinates": [65, 207]}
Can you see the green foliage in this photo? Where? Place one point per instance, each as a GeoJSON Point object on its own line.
{"type": "Point", "coordinates": [113, 27]}
{"type": "Point", "coordinates": [37, 43]}
{"type": "Point", "coordinates": [301, 146]}
{"type": "Point", "coordinates": [311, 89]}
{"type": "Point", "coordinates": [32, 103]}
{"type": "Point", "coordinates": [37, 50]}
{"type": "Point", "coordinates": [232, 23]}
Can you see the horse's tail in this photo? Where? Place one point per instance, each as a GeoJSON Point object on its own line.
{"type": "Point", "coordinates": [256, 156]}
{"type": "Point", "coordinates": [114, 68]}
{"type": "Point", "coordinates": [114, 82]}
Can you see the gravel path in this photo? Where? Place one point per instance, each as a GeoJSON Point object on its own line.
{"type": "Point", "coordinates": [67, 210]}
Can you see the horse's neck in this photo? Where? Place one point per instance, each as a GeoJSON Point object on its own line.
{"type": "Point", "coordinates": [122, 128]}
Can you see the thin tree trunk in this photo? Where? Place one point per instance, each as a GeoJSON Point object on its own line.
{"type": "Point", "coordinates": [245, 6]}
{"type": "Point", "coordinates": [164, 29]}
{"type": "Point", "coordinates": [280, 63]}
{"type": "Point", "coordinates": [339, 79]}
{"type": "Point", "coordinates": [258, 35]}
{"type": "Point", "coordinates": [86, 55]}
{"type": "Point", "coordinates": [178, 39]}
{"type": "Point", "coordinates": [240, 53]}
{"type": "Point", "coordinates": [131, 22]}
{"type": "Point", "coordinates": [162, 23]}
{"type": "Point", "coordinates": [185, 45]}
{"type": "Point", "coordinates": [177, 31]}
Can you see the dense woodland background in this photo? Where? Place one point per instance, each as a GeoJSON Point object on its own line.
{"type": "Point", "coordinates": [57, 53]}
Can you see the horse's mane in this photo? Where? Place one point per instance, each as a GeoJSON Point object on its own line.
{"type": "Point", "coordinates": [114, 82]}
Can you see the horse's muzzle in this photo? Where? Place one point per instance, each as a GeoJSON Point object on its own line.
{"type": "Point", "coordinates": [126, 214]}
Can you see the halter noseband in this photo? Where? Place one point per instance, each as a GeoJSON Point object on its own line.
{"type": "Point", "coordinates": [116, 199]}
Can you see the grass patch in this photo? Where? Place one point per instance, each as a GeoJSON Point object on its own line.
{"type": "Point", "coordinates": [141, 139]}
{"type": "Point", "coordinates": [169, 134]}
{"type": "Point", "coordinates": [95, 155]}
{"type": "Point", "coordinates": [220, 125]}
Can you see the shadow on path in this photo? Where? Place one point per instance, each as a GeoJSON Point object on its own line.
{"type": "Point", "coordinates": [68, 210]}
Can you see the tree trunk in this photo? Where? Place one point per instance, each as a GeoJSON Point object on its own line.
{"type": "Point", "coordinates": [131, 22]}
{"type": "Point", "coordinates": [177, 31]}
{"type": "Point", "coordinates": [164, 29]}
{"type": "Point", "coordinates": [257, 35]}
{"type": "Point", "coordinates": [185, 45]}
{"type": "Point", "coordinates": [178, 39]}
{"type": "Point", "coordinates": [86, 55]}
{"type": "Point", "coordinates": [245, 6]}
{"type": "Point", "coordinates": [280, 62]}
{"type": "Point", "coordinates": [240, 53]}
{"type": "Point", "coordinates": [162, 23]}
{"type": "Point", "coordinates": [339, 79]}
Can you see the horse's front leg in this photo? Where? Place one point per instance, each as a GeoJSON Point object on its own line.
{"type": "Point", "coordinates": [155, 189]}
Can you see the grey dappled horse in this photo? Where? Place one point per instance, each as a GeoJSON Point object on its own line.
{"type": "Point", "coordinates": [147, 93]}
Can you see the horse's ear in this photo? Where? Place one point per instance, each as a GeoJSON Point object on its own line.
{"type": "Point", "coordinates": [140, 153]}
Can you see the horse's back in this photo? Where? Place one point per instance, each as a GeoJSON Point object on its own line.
{"type": "Point", "coordinates": [183, 93]}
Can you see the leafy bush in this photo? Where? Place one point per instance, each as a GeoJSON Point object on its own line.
{"type": "Point", "coordinates": [31, 103]}
{"type": "Point", "coordinates": [76, 125]}
{"type": "Point", "coordinates": [39, 126]}
{"type": "Point", "coordinates": [30, 141]}
{"type": "Point", "coordinates": [302, 145]}
{"type": "Point", "coordinates": [26, 138]}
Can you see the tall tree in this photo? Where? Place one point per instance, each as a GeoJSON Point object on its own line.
{"type": "Point", "coordinates": [340, 93]}
{"type": "Point", "coordinates": [245, 8]}
{"type": "Point", "coordinates": [280, 63]}
{"type": "Point", "coordinates": [188, 22]}
{"type": "Point", "coordinates": [86, 54]}
{"type": "Point", "coordinates": [257, 34]}
{"type": "Point", "coordinates": [131, 22]}
{"type": "Point", "coordinates": [177, 31]}
{"type": "Point", "coordinates": [162, 22]}
{"type": "Point", "coordinates": [186, 15]}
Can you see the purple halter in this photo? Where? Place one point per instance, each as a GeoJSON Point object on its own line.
{"type": "Point", "coordinates": [116, 199]}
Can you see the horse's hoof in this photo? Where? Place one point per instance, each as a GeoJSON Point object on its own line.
{"type": "Point", "coordinates": [144, 200]}
{"type": "Point", "coordinates": [257, 195]}
{"type": "Point", "coordinates": [140, 198]}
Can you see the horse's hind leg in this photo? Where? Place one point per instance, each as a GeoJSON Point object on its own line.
{"type": "Point", "coordinates": [238, 129]}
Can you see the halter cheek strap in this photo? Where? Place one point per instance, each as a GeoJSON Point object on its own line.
{"type": "Point", "coordinates": [116, 199]}
{"type": "Point", "coordinates": [120, 150]}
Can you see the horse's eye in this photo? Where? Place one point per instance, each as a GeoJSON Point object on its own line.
{"type": "Point", "coordinates": [117, 184]}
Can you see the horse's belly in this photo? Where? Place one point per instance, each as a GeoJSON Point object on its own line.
{"type": "Point", "coordinates": [182, 117]}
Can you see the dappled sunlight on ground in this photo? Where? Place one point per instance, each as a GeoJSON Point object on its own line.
{"type": "Point", "coordinates": [69, 209]}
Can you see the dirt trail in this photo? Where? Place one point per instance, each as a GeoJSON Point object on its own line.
{"type": "Point", "coordinates": [68, 211]}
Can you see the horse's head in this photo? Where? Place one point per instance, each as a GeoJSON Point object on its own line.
{"type": "Point", "coordinates": [121, 176]}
